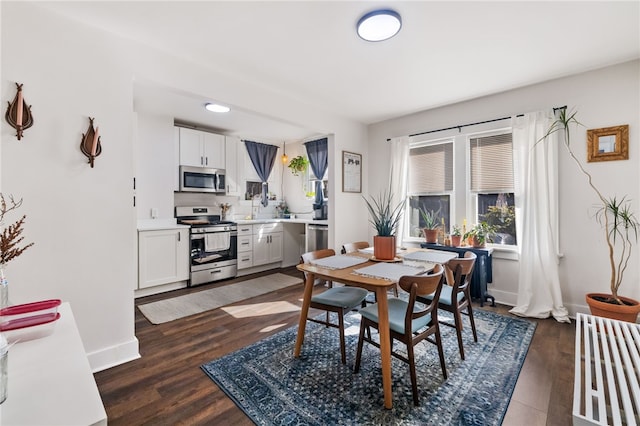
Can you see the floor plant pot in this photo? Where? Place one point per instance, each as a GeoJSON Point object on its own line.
{"type": "Point", "coordinates": [430, 235]}
{"type": "Point", "coordinates": [627, 312]}
{"type": "Point", "coordinates": [384, 248]}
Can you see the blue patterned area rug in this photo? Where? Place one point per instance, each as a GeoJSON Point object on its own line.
{"type": "Point", "coordinates": [274, 388]}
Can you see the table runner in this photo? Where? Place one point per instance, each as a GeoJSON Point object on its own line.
{"type": "Point", "coordinates": [339, 261]}
{"type": "Point", "coordinates": [390, 271]}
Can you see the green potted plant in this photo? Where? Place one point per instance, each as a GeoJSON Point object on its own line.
{"type": "Point", "coordinates": [620, 232]}
{"type": "Point", "coordinates": [431, 225]}
{"type": "Point", "coordinates": [456, 236]}
{"type": "Point", "coordinates": [480, 234]}
{"type": "Point", "coordinates": [385, 218]}
{"type": "Point", "coordinates": [298, 164]}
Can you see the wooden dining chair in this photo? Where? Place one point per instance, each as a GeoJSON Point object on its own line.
{"type": "Point", "coordinates": [410, 322]}
{"type": "Point", "coordinates": [456, 296]}
{"type": "Point", "coordinates": [334, 299]}
{"type": "Point", "coordinates": [353, 247]}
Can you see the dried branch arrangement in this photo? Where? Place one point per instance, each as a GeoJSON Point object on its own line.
{"type": "Point", "coordinates": [11, 238]}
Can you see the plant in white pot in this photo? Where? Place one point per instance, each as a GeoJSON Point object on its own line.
{"type": "Point", "coordinates": [621, 231]}
{"type": "Point", "coordinates": [385, 218]}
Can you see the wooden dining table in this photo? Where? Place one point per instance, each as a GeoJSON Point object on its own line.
{"type": "Point", "coordinates": [379, 286]}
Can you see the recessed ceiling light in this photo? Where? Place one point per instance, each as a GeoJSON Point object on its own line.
{"type": "Point", "coordinates": [379, 25]}
{"type": "Point", "coordinates": [216, 108]}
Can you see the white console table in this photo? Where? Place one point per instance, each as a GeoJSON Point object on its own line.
{"type": "Point", "coordinates": [50, 380]}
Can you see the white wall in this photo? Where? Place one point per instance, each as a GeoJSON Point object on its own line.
{"type": "Point", "coordinates": [82, 219]}
{"type": "Point", "coordinates": [603, 98]}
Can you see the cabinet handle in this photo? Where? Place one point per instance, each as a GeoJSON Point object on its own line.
{"type": "Point", "coordinates": [206, 161]}
{"type": "Point", "coordinates": [178, 236]}
{"type": "Point", "coordinates": [201, 160]}
{"type": "Point", "coordinates": [245, 244]}
{"type": "Point", "coordinates": [215, 271]}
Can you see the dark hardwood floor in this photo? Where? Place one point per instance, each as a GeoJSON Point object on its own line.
{"type": "Point", "coordinates": [166, 386]}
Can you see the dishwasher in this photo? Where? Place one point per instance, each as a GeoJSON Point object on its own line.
{"type": "Point", "coordinates": [318, 237]}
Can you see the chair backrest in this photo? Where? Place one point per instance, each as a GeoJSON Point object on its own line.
{"type": "Point", "coordinates": [422, 285]}
{"type": "Point", "coordinates": [313, 255]}
{"type": "Point", "coordinates": [351, 247]}
{"type": "Point", "coordinates": [459, 271]}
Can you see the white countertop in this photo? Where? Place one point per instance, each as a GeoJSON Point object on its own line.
{"type": "Point", "coordinates": [274, 220]}
{"type": "Point", "coordinates": [50, 381]}
{"type": "Point", "coordinates": [159, 224]}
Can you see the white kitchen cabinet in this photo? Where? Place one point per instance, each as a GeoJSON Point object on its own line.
{"type": "Point", "coordinates": [163, 257]}
{"type": "Point", "coordinates": [201, 149]}
{"type": "Point", "coordinates": [267, 243]}
{"type": "Point", "coordinates": [245, 246]}
{"type": "Point", "coordinates": [232, 146]}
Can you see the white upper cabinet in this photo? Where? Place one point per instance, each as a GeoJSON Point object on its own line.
{"type": "Point", "coordinates": [201, 149]}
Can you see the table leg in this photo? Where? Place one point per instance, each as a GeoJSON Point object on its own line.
{"type": "Point", "coordinates": [306, 301]}
{"type": "Point", "coordinates": [385, 345]}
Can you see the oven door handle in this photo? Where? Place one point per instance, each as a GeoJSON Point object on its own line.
{"type": "Point", "coordinates": [215, 271]}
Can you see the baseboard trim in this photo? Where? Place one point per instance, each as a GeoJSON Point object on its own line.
{"type": "Point", "coordinates": [114, 355]}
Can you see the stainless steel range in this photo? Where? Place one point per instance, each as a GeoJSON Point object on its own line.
{"type": "Point", "coordinates": [214, 244]}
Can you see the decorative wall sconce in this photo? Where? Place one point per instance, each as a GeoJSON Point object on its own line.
{"type": "Point", "coordinates": [90, 145]}
{"type": "Point", "coordinates": [19, 113]}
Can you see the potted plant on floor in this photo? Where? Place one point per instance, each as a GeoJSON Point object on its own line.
{"type": "Point", "coordinates": [431, 225]}
{"type": "Point", "coordinates": [620, 231]}
{"type": "Point", "coordinates": [385, 218]}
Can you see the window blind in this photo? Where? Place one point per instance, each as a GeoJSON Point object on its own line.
{"type": "Point", "coordinates": [431, 168]}
{"type": "Point", "coordinates": [491, 163]}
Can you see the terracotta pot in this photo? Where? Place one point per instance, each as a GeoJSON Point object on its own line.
{"type": "Point", "coordinates": [628, 312]}
{"type": "Point", "coordinates": [384, 248]}
{"type": "Point", "coordinates": [477, 244]}
{"type": "Point", "coordinates": [431, 235]}
{"type": "Point", "coordinates": [456, 240]}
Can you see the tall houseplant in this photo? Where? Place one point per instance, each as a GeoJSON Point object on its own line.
{"type": "Point", "coordinates": [620, 230]}
{"type": "Point", "coordinates": [385, 218]}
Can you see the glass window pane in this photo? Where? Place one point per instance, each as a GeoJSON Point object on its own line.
{"type": "Point", "coordinates": [498, 209]}
{"type": "Point", "coordinates": [437, 203]}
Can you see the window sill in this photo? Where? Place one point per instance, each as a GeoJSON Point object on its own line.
{"type": "Point", "coordinates": [504, 252]}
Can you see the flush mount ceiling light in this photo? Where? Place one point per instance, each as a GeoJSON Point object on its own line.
{"type": "Point", "coordinates": [379, 25]}
{"type": "Point", "coordinates": [216, 108]}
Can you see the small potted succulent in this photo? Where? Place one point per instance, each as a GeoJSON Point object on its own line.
{"type": "Point", "coordinates": [431, 225]}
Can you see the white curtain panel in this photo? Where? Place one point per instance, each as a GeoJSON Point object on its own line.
{"type": "Point", "coordinates": [536, 198]}
{"type": "Point", "coordinates": [399, 177]}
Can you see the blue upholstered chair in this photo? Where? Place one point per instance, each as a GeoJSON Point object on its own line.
{"type": "Point", "coordinates": [456, 297]}
{"type": "Point", "coordinates": [410, 321]}
{"type": "Point", "coordinates": [335, 299]}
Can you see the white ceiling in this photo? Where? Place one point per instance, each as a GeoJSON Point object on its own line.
{"type": "Point", "coordinates": [446, 51]}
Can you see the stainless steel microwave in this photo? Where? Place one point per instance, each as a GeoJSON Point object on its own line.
{"type": "Point", "coordinates": [202, 179]}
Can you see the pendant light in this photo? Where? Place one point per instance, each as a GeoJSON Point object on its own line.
{"type": "Point", "coordinates": [284, 153]}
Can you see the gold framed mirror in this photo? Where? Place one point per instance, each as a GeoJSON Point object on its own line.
{"type": "Point", "coordinates": [608, 143]}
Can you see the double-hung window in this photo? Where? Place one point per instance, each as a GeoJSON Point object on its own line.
{"type": "Point", "coordinates": [491, 183]}
{"type": "Point", "coordinates": [430, 183]}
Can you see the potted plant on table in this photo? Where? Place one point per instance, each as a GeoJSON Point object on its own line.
{"type": "Point", "coordinates": [620, 231]}
{"type": "Point", "coordinates": [431, 225]}
{"type": "Point", "coordinates": [385, 218]}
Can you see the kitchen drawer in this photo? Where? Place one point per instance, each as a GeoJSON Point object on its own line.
{"type": "Point", "coordinates": [245, 230]}
{"type": "Point", "coordinates": [245, 260]}
{"type": "Point", "coordinates": [245, 243]}
{"type": "Point", "coordinates": [267, 227]}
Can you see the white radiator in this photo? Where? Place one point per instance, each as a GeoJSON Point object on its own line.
{"type": "Point", "coordinates": [607, 372]}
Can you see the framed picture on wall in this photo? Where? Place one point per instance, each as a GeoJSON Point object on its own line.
{"type": "Point", "coordinates": [351, 172]}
